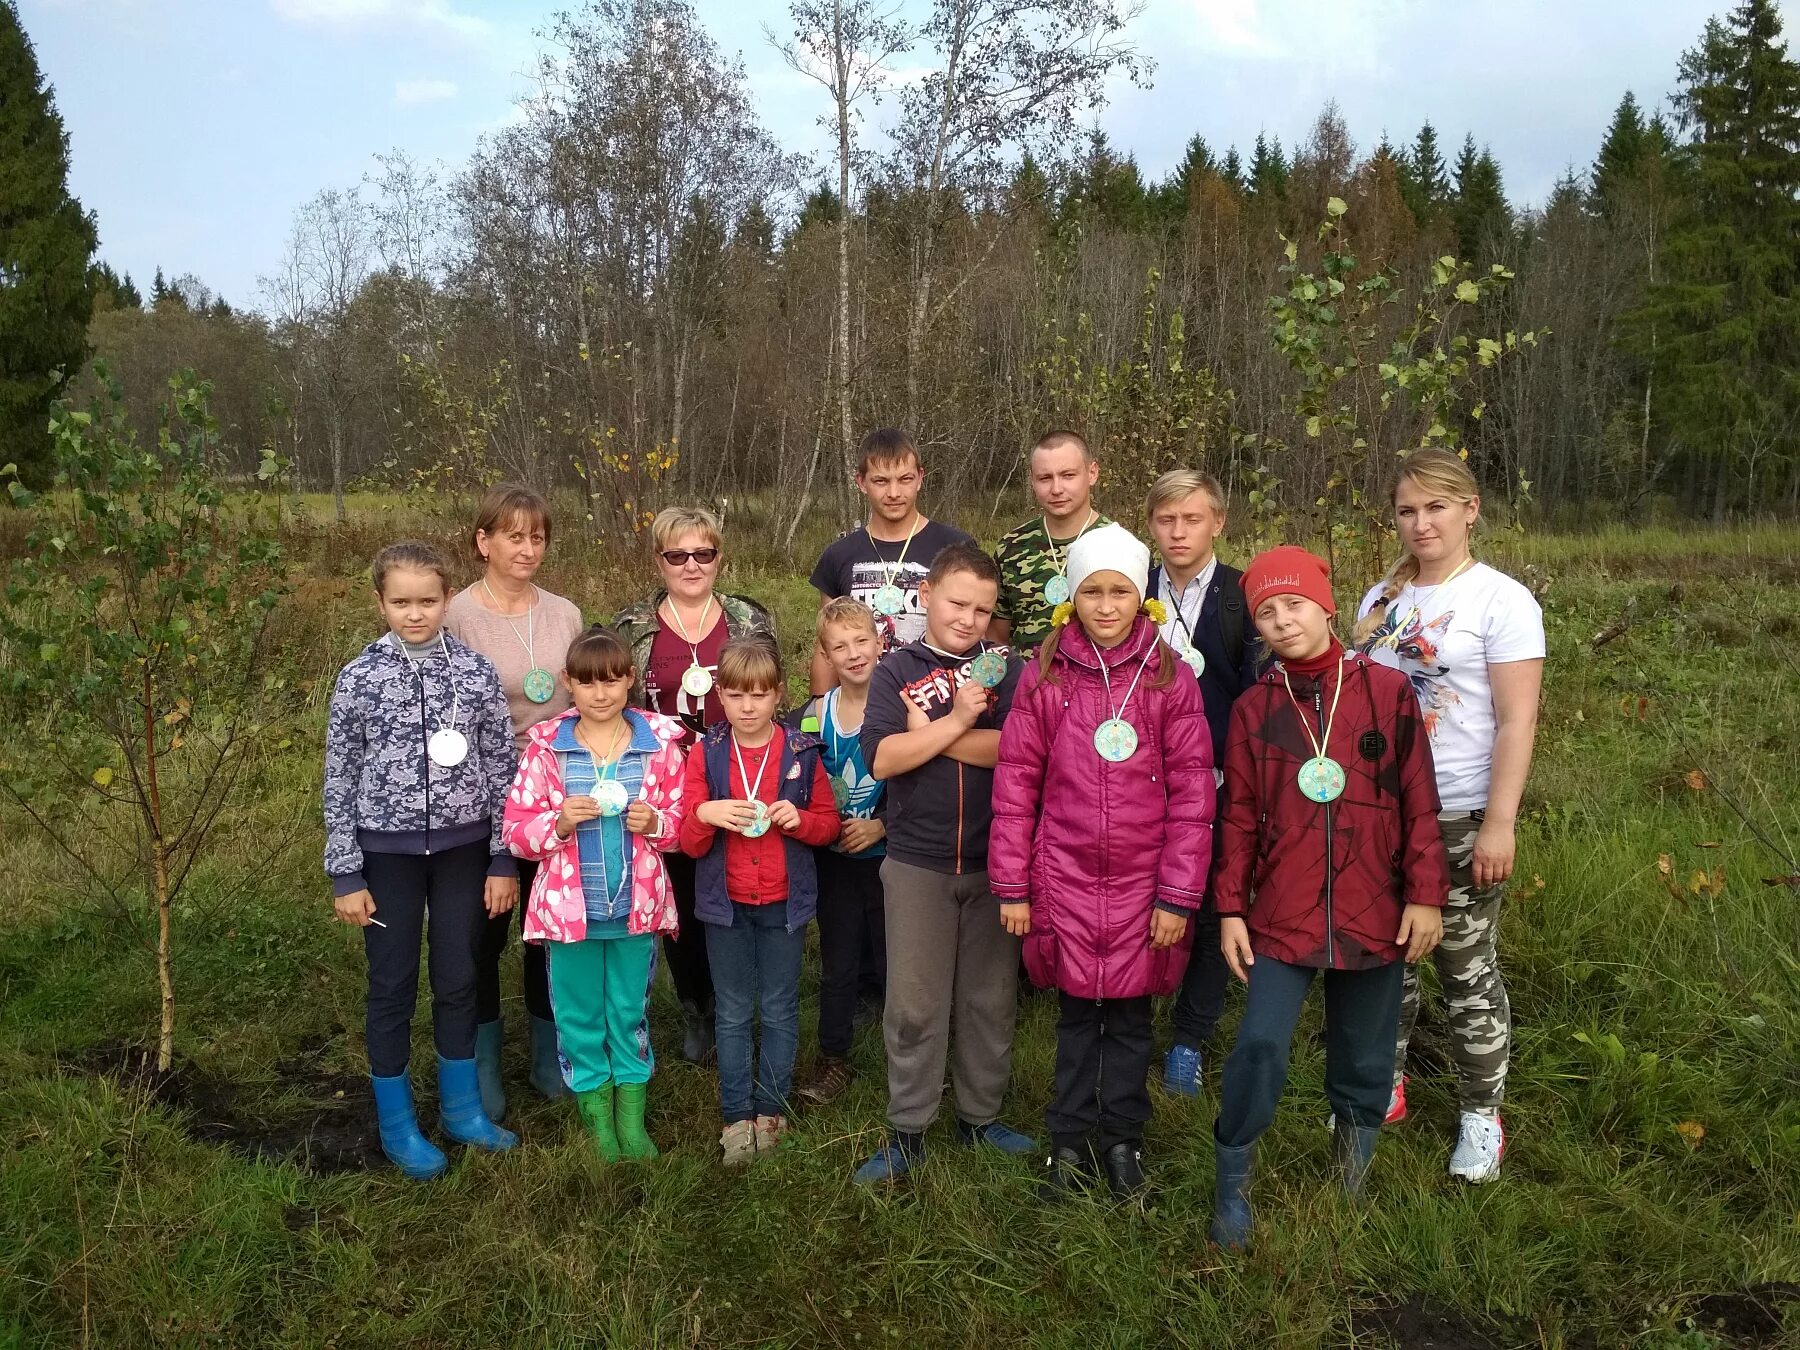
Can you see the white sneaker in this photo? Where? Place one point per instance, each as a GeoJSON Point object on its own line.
{"type": "Point", "coordinates": [1480, 1142]}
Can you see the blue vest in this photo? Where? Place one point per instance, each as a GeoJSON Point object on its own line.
{"type": "Point", "coordinates": [712, 904]}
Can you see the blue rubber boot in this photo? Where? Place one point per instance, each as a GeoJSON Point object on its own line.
{"type": "Point", "coordinates": [487, 1070]}
{"type": "Point", "coordinates": [415, 1155]}
{"type": "Point", "coordinates": [459, 1108]}
{"type": "Point", "coordinates": [1231, 1202]}
{"type": "Point", "coordinates": [546, 1068]}
{"type": "Point", "coordinates": [1181, 1071]}
{"type": "Point", "coordinates": [1353, 1148]}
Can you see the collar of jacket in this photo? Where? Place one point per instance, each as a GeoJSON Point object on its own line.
{"type": "Point", "coordinates": [1078, 648]}
{"type": "Point", "coordinates": [1352, 660]}
{"type": "Point", "coordinates": [719, 733]}
{"type": "Point", "coordinates": [649, 731]}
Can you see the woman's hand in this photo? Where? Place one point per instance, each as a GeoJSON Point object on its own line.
{"type": "Point", "coordinates": [640, 817]}
{"type": "Point", "coordinates": [784, 816]}
{"type": "Point", "coordinates": [1015, 917]}
{"type": "Point", "coordinates": [1166, 929]}
{"type": "Point", "coordinates": [1421, 929]}
{"type": "Point", "coordinates": [358, 908]}
{"type": "Point", "coordinates": [1495, 845]}
{"type": "Point", "coordinates": [1234, 941]}
{"type": "Point", "coordinates": [500, 895]}
{"type": "Point", "coordinates": [575, 810]}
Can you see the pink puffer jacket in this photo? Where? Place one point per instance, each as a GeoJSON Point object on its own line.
{"type": "Point", "coordinates": [1094, 845]}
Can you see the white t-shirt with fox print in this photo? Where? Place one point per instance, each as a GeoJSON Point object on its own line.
{"type": "Point", "coordinates": [1443, 638]}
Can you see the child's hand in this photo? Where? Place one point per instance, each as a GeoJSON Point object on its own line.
{"type": "Point", "coordinates": [916, 717]}
{"type": "Point", "coordinates": [784, 816]}
{"type": "Point", "coordinates": [358, 908]}
{"type": "Point", "coordinates": [971, 702]}
{"type": "Point", "coordinates": [1166, 929]}
{"type": "Point", "coordinates": [574, 811]}
{"type": "Point", "coordinates": [859, 835]}
{"type": "Point", "coordinates": [640, 818]}
{"type": "Point", "coordinates": [500, 895]}
{"type": "Point", "coordinates": [726, 814]}
{"type": "Point", "coordinates": [1421, 929]}
{"type": "Point", "coordinates": [1234, 941]}
{"type": "Point", "coordinates": [1016, 917]}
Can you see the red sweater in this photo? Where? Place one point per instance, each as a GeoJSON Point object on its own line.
{"type": "Point", "coordinates": [756, 869]}
{"type": "Point", "coordinates": [1324, 885]}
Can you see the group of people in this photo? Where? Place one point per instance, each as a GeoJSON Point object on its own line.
{"type": "Point", "coordinates": [1118, 780]}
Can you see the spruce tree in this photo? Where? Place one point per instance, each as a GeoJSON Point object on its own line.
{"type": "Point", "coordinates": [1621, 154]}
{"type": "Point", "coordinates": [46, 243]}
{"type": "Point", "coordinates": [1482, 216]}
{"type": "Point", "coordinates": [1232, 170]}
{"type": "Point", "coordinates": [1425, 185]}
{"type": "Point", "coordinates": [1722, 325]}
{"type": "Point", "coordinates": [1268, 168]}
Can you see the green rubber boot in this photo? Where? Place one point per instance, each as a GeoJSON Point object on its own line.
{"type": "Point", "coordinates": [634, 1141]}
{"type": "Point", "coordinates": [596, 1108]}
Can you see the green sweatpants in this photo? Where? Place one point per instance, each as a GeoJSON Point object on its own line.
{"type": "Point", "coordinates": [600, 991]}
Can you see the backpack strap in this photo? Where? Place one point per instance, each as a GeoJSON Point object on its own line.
{"type": "Point", "coordinates": [1232, 621]}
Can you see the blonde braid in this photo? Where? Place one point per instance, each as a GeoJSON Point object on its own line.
{"type": "Point", "coordinates": [1401, 575]}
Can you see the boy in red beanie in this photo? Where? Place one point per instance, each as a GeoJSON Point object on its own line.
{"type": "Point", "coordinates": [1331, 862]}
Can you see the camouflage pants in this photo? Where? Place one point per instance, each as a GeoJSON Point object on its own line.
{"type": "Point", "coordinates": [1468, 967]}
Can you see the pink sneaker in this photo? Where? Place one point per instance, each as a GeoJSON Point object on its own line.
{"type": "Point", "coordinates": [1396, 1111]}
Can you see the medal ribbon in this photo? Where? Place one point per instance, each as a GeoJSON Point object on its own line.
{"type": "Point", "coordinates": [1319, 748]}
{"type": "Point", "coordinates": [751, 788]}
{"type": "Point", "coordinates": [449, 676]}
{"type": "Point", "coordinates": [528, 642]}
{"type": "Point", "coordinates": [1461, 567]}
{"type": "Point", "coordinates": [894, 571]}
{"type": "Point", "coordinates": [680, 627]}
{"type": "Point", "coordinates": [1057, 555]}
{"type": "Point", "coordinates": [1106, 680]}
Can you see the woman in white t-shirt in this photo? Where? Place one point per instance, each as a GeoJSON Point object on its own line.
{"type": "Point", "coordinates": [1471, 639]}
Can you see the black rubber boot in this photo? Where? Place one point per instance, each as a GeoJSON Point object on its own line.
{"type": "Point", "coordinates": [1231, 1218]}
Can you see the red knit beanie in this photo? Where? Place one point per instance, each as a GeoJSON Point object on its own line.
{"type": "Point", "coordinates": [1288, 570]}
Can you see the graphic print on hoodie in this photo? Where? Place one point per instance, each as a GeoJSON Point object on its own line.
{"type": "Point", "coordinates": [940, 812]}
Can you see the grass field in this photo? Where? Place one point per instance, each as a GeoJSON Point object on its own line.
{"type": "Point", "coordinates": [1652, 1189]}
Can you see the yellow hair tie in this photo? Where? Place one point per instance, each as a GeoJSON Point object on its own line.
{"type": "Point", "coordinates": [1060, 616]}
{"type": "Point", "coordinates": [1158, 612]}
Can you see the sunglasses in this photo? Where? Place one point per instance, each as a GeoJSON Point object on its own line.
{"type": "Point", "coordinates": [678, 557]}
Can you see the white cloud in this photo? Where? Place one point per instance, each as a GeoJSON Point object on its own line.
{"type": "Point", "coordinates": [414, 14]}
{"type": "Point", "coordinates": [407, 93]}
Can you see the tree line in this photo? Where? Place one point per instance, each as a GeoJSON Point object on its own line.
{"type": "Point", "coordinates": [636, 292]}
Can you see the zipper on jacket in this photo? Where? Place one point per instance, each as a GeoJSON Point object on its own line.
{"type": "Point", "coordinates": [1319, 716]}
{"type": "Point", "coordinates": [425, 741]}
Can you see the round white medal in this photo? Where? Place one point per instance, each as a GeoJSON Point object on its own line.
{"type": "Point", "coordinates": [696, 681]}
{"type": "Point", "coordinates": [1195, 658]}
{"type": "Point", "coordinates": [1321, 778]}
{"type": "Point", "coordinates": [540, 684]}
{"type": "Point", "coordinates": [888, 600]}
{"type": "Point", "coordinates": [759, 822]}
{"type": "Point", "coordinates": [612, 796]}
{"type": "Point", "coordinates": [1116, 740]}
{"type": "Point", "coordinates": [1056, 590]}
{"type": "Point", "coordinates": [447, 747]}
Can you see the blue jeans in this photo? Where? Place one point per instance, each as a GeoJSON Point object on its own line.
{"type": "Point", "coordinates": [1361, 1008]}
{"type": "Point", "coordinates": [755, 966]}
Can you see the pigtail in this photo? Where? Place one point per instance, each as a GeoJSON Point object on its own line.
{"type": "Point", "coordinates": [1165, 666]}
{"type": "Point", "coordinates": [1047, 655]}
{"type": "Point", "coordinates": [1401, 575]}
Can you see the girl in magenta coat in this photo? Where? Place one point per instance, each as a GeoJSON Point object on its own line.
{"type": "Point", "coordinates": [1102, 835]}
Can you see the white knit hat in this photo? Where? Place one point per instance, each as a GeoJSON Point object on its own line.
{"type": "Point", "coordinates": [1111, 548]}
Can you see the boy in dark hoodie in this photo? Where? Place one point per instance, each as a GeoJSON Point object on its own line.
{"type": "Point", "coordinates": [931, 731]}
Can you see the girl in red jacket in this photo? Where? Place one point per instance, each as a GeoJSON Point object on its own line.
{"type": "Point", "coordinates": [1331, 861]}
{"type": "Point", "coordinates": [1103, 808]}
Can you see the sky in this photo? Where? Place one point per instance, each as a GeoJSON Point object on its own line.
{"type": "Point", "coordinates": [198, 127]}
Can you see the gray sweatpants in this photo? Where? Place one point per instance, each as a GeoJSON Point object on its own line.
{"type": "Point", "coordinates": [949, 960]}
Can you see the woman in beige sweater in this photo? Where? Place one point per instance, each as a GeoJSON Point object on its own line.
{"type": "Point", "coordinates": [524, 631]}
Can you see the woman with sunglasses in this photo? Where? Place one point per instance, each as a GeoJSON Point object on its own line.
{"type": "Point", "coordinates": [676, 635]}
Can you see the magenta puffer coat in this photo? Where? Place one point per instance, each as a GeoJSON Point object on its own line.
{"type": "Point", "coordinates": [1095, 845]}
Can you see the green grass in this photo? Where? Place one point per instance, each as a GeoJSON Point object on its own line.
{"type": "Point", "coordinates": [1638, 1009]}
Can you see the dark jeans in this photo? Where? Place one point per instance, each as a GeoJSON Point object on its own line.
{"type": "Point", "coordinates": [756, 969]}
{"type": "Point", "coordinates": [1362, 1012]}
{"type": "Point", "coordinates": [1103, 1049]}
{"type": "Point", "coordinates": [494, 933]}
{"type": "Point", "coordinates": [850, 919]}
{"type": "Point", "coordinates": [686, 952]}
{"type": "Point", "coordinates": [449, 885]}
{"type": "Point", "coordinates": [1200, 1001]}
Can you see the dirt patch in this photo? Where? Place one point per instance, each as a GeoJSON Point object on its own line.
{"type": "Point", "coordinates": [1413, 1324]}
{"type": "Point", "coordinates": [1750, 1316]}
{"type": "Point", "coordinates": [335, 1132]}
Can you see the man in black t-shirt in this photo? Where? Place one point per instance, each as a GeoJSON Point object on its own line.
{"type": "Point", "coordinates": [882, 563]}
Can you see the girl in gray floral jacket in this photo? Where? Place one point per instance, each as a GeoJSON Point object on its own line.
{"type": "Point", "coordinates": [418, 759]}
